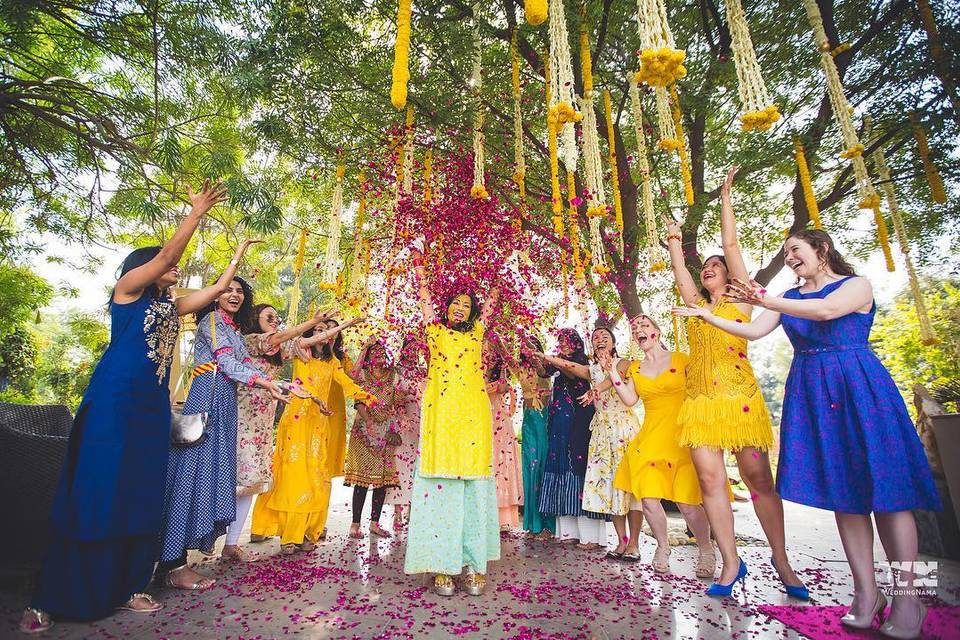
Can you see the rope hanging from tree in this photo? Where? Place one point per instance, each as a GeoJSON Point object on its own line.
{"type": "Point", "coordinates": [803, 170]}
{"type": "Point", "coordinates": [562, 108]}
{"type": "Point", "coordinates": [592, 162]}
{"type": "Point", "coordinates": [937, 192]}
{"type": "Point", "coordinates": [661, 63]}
{"type": "Point", "coordinates": [401, 56]}
{"type": "Point", "coordinates": [927, 335]}
{"type": "Point", "coordinates": [478, 190]}
{"type": "Point", "coordinates": [332, 258]}
{"type": "Point", "coordinates": [655, 258]}
{"type": "Point", "coordinates": [519, 163]}
{"type": "Point", "coordinates": [759, 111]}
{"type": "Point", "coordinates": [535, 11]}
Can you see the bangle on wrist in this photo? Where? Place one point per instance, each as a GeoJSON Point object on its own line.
{"type": "Point", "coordinates": [234, 263]}
{"type": "Point", "coordinates": [674, 236]}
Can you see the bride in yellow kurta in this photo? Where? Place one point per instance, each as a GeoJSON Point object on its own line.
{"type": "Point", "coordinates": [296, 507]}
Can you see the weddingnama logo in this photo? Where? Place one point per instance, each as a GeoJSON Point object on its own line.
{"type": "Point", "coordinates": [908, 577]}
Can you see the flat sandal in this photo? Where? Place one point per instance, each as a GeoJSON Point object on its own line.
{"type": "Point", "coordinates": [128, 605]}
{"type": "Point", "coordinates": [39, 621]}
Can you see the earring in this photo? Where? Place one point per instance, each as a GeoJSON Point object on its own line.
{"type": "Point", "coordinates": [822, 266]}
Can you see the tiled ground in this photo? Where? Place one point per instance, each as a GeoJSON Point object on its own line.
{"type": "Point", "coordinates": [356, 589]}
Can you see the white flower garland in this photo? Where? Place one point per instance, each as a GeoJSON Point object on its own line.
{"type": "Point", "coordinates": [759, 111]}
{"type": "Point", "coordinates": [654, 253]}
{"type": "Point", "coordinates": [563, 101]}
{"type": "Point", "coordinates": [333, 229]}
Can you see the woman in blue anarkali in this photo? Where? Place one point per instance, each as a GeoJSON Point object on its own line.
{"type": "Point", "coordinates": [847, 443]}
{"type": "Point", "coordinates": [106, 515]}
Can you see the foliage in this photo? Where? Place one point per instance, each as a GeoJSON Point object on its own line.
{"type": "Point", "coordinates": [896, 338]}
{"type": "Point", "coordinates": [68, 355]}
{"type": "Point", "coordinates": [18, 362]}
{"type": "Point", "coordinates": [22, 294]}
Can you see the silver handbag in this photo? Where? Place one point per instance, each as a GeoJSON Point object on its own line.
{"type": "Point", "coordinates": [191, 430]}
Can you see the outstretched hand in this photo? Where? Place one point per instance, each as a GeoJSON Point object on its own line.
{"type": "Point", "coordinates": [589, 398]}
{"type": "Point", "coordinates": [747, 292]}
{"type": "Point", "coordinates": [691, 312]}
{"type": "Point", "coordinates": [211, 194]}
{"type": "Point", "coordinates": [728, 181]}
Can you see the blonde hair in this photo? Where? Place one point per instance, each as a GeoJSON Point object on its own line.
{"type": "Point", "coordinates": [649, 319]}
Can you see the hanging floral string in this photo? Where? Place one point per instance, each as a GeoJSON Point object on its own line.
{"type": "Point", "coordinates": [661, 63]}
{"type": "Point", "coordinates": [937, 191]}
{"type": "Point", "coordinates": [883, 235]}
{"type": "Point", "coordinates": [556, 199]}
{"type": "Point", "coordinates": [669, 140]}
{"type": "Point", "coordinates": [654, 252]}
{"type": "Point", "coordinates": [803, 170]}
{"type": "Point", "coordinates": [428, 177]}
{"type": "Point", "coordinates": [682, 147]}
{"type": "Point", "coordinates": [332, 258]}
{"type": "Point", "coordinates": [927, 336]}
{"type": "Point", "coordinates": [679, 328]}
{"type": "Point", "coordinates": [842, 112]}
{"type": "Point", "coordinates": [519, 163]}
{"type": "Point", "coordinates": [479, 190]}
{"type": "Point", "coordinates": [759, 110]}
{"type": "Point", "coordinates": [592, 162]}
{"type": "Point", "coordinates": [535, 11]}
{"type": "Point", "coordinates": [401, 56]}
{"type": "Point", "coordinates": [355, 285]}
{"type": "Point", "coordinates": [407, 184]}
{"type": "Point", "coordinates": [574, 228]}
{"type": "Point", "coordinates": [940, 58]}
{"type": "Point", "coordinates": [563, 103]}
{"type": "Point", "coordinates": [614, 169]}
{"type": "Point", "coordinates": [297, 271]}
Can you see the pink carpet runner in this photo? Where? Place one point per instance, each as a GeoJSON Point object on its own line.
{"type": "Point", "coordinates": [823, 623]}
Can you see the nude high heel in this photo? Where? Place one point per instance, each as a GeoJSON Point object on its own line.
{"type": "Point", "coordinates": [866, 622]}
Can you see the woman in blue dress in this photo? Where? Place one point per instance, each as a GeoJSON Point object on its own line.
{"type": "Point", "coordinates": [568, 427]}
{"type": "Point", "coordinates": [200, 500]}
{"type": "Point", "coordinates": [847, 443]}
{"type": "Point", "coordinates": [106, 515]}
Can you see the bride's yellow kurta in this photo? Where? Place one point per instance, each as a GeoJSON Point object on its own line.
{"type": "Point", "coordinates": [337, 425]}
{"type": "Point", "coordinates": [296, 507]}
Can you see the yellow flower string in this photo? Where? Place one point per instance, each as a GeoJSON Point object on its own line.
{"type": "Point", "coordinates": [759, 111]}
{"type": "Point", "coordinates": [940, 58]}
{"type": "Point", "coordinates": [407, 183]}
{"type": "Point", "coordinates": [428, 177]}
{"type": "Point", "coordinates": [682, 148]}
{"type": "Point", "coordinates": [661, 63]}
{"type": "Point", "coordinates": [479, 190]}
{"type": "Point", "coordinates": [803, 170]}
{"type": "Point", "coordinates": [679, 328]}
{"type": "Point", "coordinates": [654, 253]}
{"type": "Point", "coordinates": [401, 55]}
{"type": "Point", "coordinates": [937, 191]}
{"type": "Point", "coordinates": [330, 266]}
{"type": "Point", "coordinates": [927, 335]}
{"type": "Point", "coordinates": [574, 229]}
{"type": "Point", "coordinates": [535, 11]}
{"type": "Point", "coordinates": [519, 163]}
{"type": "Point", "coordinates": [297, 270]}
{"type": "Point", "coordinates": [556, 197]}
{"type": "Point", "coordinates": [356, 264]}
{"type": "Point", "coordinates": [614, 174]}
{"type": "Point", "coordinates": [883, 235]}
{"type": "Point", "coordinates": [592, 160]}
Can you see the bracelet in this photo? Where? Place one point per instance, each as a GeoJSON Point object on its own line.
{"type": "Point", "coordinates": [234, 263]}
{"type": "Point", "coordinates": [674, 236]}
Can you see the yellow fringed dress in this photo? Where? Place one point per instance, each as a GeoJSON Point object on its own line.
{"type": "Point", "coordinates": [296, 507]}
{"type": "Point", "coordinates": [724, 408]}
{"type": "Point", "coordinates": [655, 465]}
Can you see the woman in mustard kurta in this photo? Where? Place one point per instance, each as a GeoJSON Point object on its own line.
{"type": "Point", "coordinates": [724, 408]}
{"type": "Point", "coordinates": [296, 506]}
{"type": "Point", "coordinates": [337, 402]}
{"type": "Point", "coordinates": [454, 521]}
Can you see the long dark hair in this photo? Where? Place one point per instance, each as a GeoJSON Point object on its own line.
{"type": "Point", "coordinates": [822, 243]}
{"type": "Point", "coordinates": [366, 355]}
{"type": "Point", "coordinates": [527, 360]}
{"type": "Point", "coordinates": [495, 367]}
{"type": "Point", "coordinates": [243, 315]}
{"type": "Point", "coordinates": [723, 261]}
{"type": "Point", "coordinates": [579, 355]}
{"type": "Point", "coordinates": [613, 342]}
{"type": "Point", "coordinates": [253, 326]}
{"type": "Point", "coordinates": [138, 258]}
{"type": "Point", "coordinates": [324, 352]}
{"type": "Point", "coordinates": [466, 325]}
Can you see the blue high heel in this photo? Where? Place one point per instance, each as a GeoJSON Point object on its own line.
{"type": "Point", "coordinates": [800, 593]}
{"type": "Point", "coordinates": [724, 590]}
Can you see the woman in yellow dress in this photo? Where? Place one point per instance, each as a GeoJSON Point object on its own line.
{"type": "Point", "coordinates": [655, 466]}
{"type": "Point", "coordinates": [296, 506]}
{"type": "Point", "coordinates": [724, 408]}
{"type": "Point", "coordinates": [337, 402]}
{"type": "Point", "coordinates": [454, 519]}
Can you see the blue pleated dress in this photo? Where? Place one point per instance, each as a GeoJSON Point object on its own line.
{"type": "Point", "coordinates": [107, 511]}
{"type": "Point", "coordinates": [847, 443]}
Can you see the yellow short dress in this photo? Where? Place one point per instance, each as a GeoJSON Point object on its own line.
{"type": "Point", "coordinates": [655, 465]}
{"type": "Point", "coordinates": [724, 408]}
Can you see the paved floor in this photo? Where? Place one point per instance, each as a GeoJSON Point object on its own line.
{"type": "Point", "coordinates": [356, 589]}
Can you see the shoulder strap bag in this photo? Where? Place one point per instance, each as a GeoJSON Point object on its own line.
{"type": "Point", "coordinates": [191, 430]}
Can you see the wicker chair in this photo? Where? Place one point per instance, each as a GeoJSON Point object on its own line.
{"type": "Point", "coordinates": [33, 446]}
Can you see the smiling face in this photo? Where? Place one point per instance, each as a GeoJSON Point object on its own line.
{"type": "Point", "coordinates": [169, 278]}
{"type": "Point", "coordinates": [268, 320]}
{"type": "Point", "coordinates": [714, 275]}
{"type": "Point", "coordinates": [459, 309]}
{"type": "Point", "coordinates": [802, 258]}
{"type": "Point", "coordinates": [601, 340]}
{"type": "Point", "coordinates": [377, 357]}
{"type": "Point", "coordinates": [232, 298]}
{"type": "Point", "coordinates": [645, 332]}
{"type": "Point", "coordinates": [566, 344]}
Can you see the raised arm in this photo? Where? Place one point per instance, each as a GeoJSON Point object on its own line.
{"type": "Point", "coordinates": [423, 293]}
{"type": "Point", "coordinates": [193, 302]}
{"type": "Point", "coordinates": [624, 388]}
{"type": "Point", "coordinates": [856, 294]}
{"type": "Point", "coordinates": [278, 338]}
{"type": "Point", "coordinates": [132, 284]}
{"type": "Point", "coordinates": [728, 231]}
{"type": "Point", "coordinates": [326, 334]}
{"type": "Point", "coordinates": [688, 288]}
{"type": "Point", "coordinates": [760, 326]}
{"type": "Point", "coordinates": [573, 369]}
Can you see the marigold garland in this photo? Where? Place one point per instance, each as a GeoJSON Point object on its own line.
{"type": "Point", "coordinates": [937, 191]}
{"type": "Point", "coordinates": [927, 335]}
{"type": "Point", "coordinates": [407, 184]}
{"type": "Point", "coordinates": [669, 140]}
{"type": "Point", "coordinates": [330, 269]}
{"type": "Point", "coordinates": [759, 111]}
{"type": "Point", "coordinates": [803, 170]}
{"type": "Point", "coordinates": [519, 163]}
{"type": "Point", "coordinates": [428, 177]}
{"type": "Point", "coordinates": [654, 252]}
{"type": "Point", "coordinates": [479, 190]}
{"type": "Point", "coordinates": [574, 227]}
{"type": "Point", "coordinates": [682, 148]}
{"type": "Point", "coordinates": [592, 161]}
{"type": "Point", "coordinates": [842, 110]}
{"type": "Point", "coordinates": [356, 264]}
{"type": "Point", "coordinates": [556, 201]}
{"type": "Point", "coordinates": [940, 58]}
{"type": "Point", "coordinates": [883, 235]}
{"type": "Point", "coordinates": [562, 104]}
{"type": "Point", "coordinates": [401, 56]}
{"type": "Point", "coordinates": [614, 170]}
{"type": "Point", "coordinates": [661, 63]}
{"type": "Point", "coordinates": [297, 271]}
{"type": "Point", "coordinates": [535, 11]}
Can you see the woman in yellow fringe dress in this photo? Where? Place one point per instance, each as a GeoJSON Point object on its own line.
{"type": "Point", "coordinates": [724, 408]}
{"type": "Point", "coordinates": [296, 506]}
